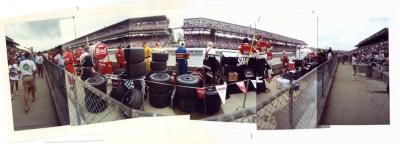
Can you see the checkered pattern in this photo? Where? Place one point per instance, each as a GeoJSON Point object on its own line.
{"type": "Point", "coordinates": [129, 84]}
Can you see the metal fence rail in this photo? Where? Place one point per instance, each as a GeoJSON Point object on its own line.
{"type": "Point", "coordinates": [56, 81]}
{"type": "Point", "coordinates": [300, 104]}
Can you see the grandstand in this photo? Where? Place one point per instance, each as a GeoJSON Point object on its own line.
{"type": "Point", "coordinates": [132, 32]}
{"type": "Point", "coordinates": [198, 31]}
{"type": "Point", "coordinates": [378, 40]}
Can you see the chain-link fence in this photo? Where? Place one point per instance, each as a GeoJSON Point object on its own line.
{"type": "Point", "coordinates": [56, 81]}
{"type": "Point", "coordinates": [90, 104]}
{"type": "Point", "coordinates": [300, 104]}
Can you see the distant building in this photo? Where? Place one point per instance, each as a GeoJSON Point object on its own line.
{"type": "Point", "coordinates": [198, 31]}
{"type": "Point", "coordinates": [378, 40]}
{"type": "Point", "coordinates": [132, 32]}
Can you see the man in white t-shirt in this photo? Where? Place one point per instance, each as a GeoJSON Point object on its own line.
{"type": "Point", "coordinates": [39, 62]}
{"type": "Point", "coordinates": [27, 68]}
{"type": "Point", "coordinates": [59, 59]}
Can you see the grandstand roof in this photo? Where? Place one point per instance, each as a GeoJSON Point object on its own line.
{"type": "Point", "coordinates": [11, 41]}
{"type": "Point", "coordinates": [126, 22]}
{"type": "Point", "coordinates": [269, 35]}
{"type": "Point", "coordinates": [382, 35]}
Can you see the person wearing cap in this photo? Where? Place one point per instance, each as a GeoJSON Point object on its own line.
{"type": "Point", "coordinates": [147, 55]}
{"type": "Point", "coordinates": [27, 68]}
{"type": "Point", "coordinates": [69, 60]}
{"type": "Point", "coordinates": [245, 48]}
{"type": "Point", "coordinates": [181, 59]}
{"type": "Point", "coordinates": [119, 55]}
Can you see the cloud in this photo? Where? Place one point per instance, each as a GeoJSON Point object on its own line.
{"type": "Point", "coordinates": [41, 35]}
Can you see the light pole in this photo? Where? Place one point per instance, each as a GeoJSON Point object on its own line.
{"type": "Point", "coordinates": [314, 13]}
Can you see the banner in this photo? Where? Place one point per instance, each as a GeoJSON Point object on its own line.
{"type": "Point", "coordinates": [221, 89]}
{"type": "Point", "coordinates": [100, 51]}
{"type": "Point", "coordinates": [241, 86]}
{"type": "Point", "coordinates": [200, 93]}
{"type": "Point", "coordinates": [254, 82]}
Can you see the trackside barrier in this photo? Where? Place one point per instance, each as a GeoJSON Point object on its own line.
{"type": "Point", "coordinates": [301, 104]}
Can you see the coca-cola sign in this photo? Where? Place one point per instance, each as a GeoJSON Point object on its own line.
{"type": "Point", "coordinates": [100, 51]}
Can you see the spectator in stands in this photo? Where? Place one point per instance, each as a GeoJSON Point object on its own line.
{"type": "Point", "coordinates": [39, 63]}
{"type": "Point", "coordinates": [14, 76]}
{"type": "Point", "coordinates": [354, 65]}
{"type": "Point", "coordinates": [27, 68]}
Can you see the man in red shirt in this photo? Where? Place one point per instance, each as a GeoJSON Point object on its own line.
{"type": "Point", "coordinates": [119, 55]}
{"type": "Point", "coordinates": [284, 60]}
{"type": "Point", "coordinates": [69, 60]}
{"type": "Point", "coordinates": [245, 48]}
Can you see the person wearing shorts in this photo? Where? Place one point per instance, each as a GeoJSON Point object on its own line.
{"type": "Point", "coordinates": [27, 68]}
{"type": "Point", "coordinates": [14, 77]}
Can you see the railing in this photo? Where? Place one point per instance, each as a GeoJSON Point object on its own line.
{"type": "Point", "coordinates": [82, 97]}
{"type": "Point", "coordinates": [299, 105]}
{"type": "Point", "coordinates": [56, 82]}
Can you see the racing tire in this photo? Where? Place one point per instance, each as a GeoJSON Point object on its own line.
{"type": "Point", "coordinates": [134, 99]}
{"type": "Point", "coordinates": [134, 71]}
{"type": "Point", "coordinates": [160, 79]}
{"type": "Point", "coordinates": [211, 104]}
{"type": "Point", "coordinates": [158, 66]}
{"type": "Point", "coordinates": [133, 55]}
{"type": "Point", "coordinates": [160, 100]}
{"type": "Point", "coordinates": [94, 103]}
{"type": "Point", "coordinates": [159, 57]}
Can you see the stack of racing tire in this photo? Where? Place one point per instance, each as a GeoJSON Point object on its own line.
{"type": "Point", "coordinates": [160, 90]}
{"type": "Point", "coordinates": [186, 94]}
{"type": "Point", "coordinates": [210, 104]}
{"type": "Point", "coordinates": [158, 62]}
{"type": "Point", "coordinates": [94, 103]}
{"type": "Point", "coordinates": [129, 92]}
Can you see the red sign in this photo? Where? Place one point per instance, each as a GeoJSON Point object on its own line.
{"type": "Point", "coordinates": [241, 86]}
{"type": "Point", "coordinates": [100, 51]}
{"type": "Point", "coordinates": [200, 93]}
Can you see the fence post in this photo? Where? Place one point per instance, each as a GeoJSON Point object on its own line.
{"type": "Point", "coordinates": [77, 109]}
{"type": "Point", "coordinates": [291, 105]}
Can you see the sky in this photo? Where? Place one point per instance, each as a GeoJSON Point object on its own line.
{"type": "Point", "coordinates": [40, 35]}
{"type": "Point", "coordinates": [339, 29]}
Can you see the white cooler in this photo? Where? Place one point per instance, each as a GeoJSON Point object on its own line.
{"type": "Point", "coordinates": [282, 83]}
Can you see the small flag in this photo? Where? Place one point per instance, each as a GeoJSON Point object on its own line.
{"type": "Point", "coordinates": [254, 82]}
{"type": "Point", "coordinates": [241, 86]}
{"type": "Point", "coordinates": [221, 89]}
